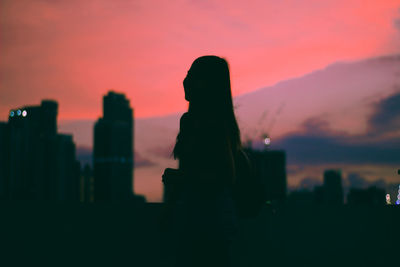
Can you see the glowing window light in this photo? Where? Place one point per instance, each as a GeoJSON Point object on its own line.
{"type": "Point", "coordinates": [12, 113]}
{"type": "Point", "coordinates": [398, 197]}
{"type": "Point", "coordinates": [388, 199]}
{"type": "Point", "coordinates": [19, 112]}
{"type": "Point", "coordinates": [24, 113]}
{"type": "Point", "coordinates": [267, 141]}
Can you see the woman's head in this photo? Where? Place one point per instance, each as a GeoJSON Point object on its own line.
{"type": "Point", "coordinates": [208, 89]}
{"type": "Point", "coordinates": [207, 86]}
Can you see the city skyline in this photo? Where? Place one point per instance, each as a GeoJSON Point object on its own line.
{"type": "Point", "coordinates": [155, 136]}
{"type": "Point", "coordinates": [34, 129]}
{"type": "Point", "coordinates": [298, 71]}
{"type": "Point", "coordinates": [295, 131]}
{"type": "Point", "coordinates": [38, 162]}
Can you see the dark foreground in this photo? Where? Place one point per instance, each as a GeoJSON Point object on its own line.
{"type": "Point", "coordinates": [127, 235]}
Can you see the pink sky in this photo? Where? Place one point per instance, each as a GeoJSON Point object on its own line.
{"type": "Point", "coordinates": [74, 51]}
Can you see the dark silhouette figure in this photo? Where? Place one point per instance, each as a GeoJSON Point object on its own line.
{"type": "Point", "coordinates": [200, 193]}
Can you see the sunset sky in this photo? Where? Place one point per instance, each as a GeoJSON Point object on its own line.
{"type": "Point", "coordinates": [74, 51]}
{"type": "Point", "coordinates": [309, 58]}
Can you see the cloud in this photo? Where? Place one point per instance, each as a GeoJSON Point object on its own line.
{"type": "Point", "coordinates": [386, 117]}
{"type": "Point", "coordinates": [311, 149]}
{"type": "Point", "coordinates": [316, 143]}
{"type": "Point", "coordinates": [316, 126]}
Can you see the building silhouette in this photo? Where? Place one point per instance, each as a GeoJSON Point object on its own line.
{"type": "Point", "coordinates": [371, 196]}
{"type": "Point", "coordinates": [319, 194]}
{"type": "Point", "coordinates": [301, 197]}
{"type": "Point", "coordinates": [270, 167]}
{"type": "Point", "coordinates": [41, 163]}
{"type": "Point", "coordinates": [113, 150]}
{"type": "Point", "coordinates": [4, 160]}
{"type": "Point", "coordinates": [87, 189]}
{"type": "Point", "coordinates": [68, 168]}
{"type": "Point", "coordinates": [332, 187]}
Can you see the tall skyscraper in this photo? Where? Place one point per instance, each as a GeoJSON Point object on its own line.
{"type": "Point", "coordinates": [113, 150]}
{"type": "Point", "coordinates": [4, 161]}
{"type": "Point", "coordinates": [332, 187]}
{"type": "Point", "coordinates": [33, 141]}
{"type": "Point", "coordinates": [39, 164]}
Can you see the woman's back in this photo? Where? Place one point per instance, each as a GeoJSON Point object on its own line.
{"type": "Point", "coordinates": [204, 151]}
{"type": "Point", "coordinates": [205, 211]}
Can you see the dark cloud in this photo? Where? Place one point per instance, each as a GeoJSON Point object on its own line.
{"type": "Point", "coordinates": [316, 126]}
{"type": "Point", "coordinates": [305, 149]}
{"type": "Point", "coordinates": [316, 143]}
{"type": "Point", "coordinates": [386, 117]}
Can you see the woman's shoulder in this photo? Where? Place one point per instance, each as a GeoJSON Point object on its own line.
{"type": "Point", "coordinates": [191, 122]}
{"type": "Point", "coordinates": [185, 122]}
{"type": "Point", "coordinates": [185, 116]}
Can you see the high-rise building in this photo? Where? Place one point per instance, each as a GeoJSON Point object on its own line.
{"type": "Point", "coordinates": [332, 187]}
{"type": "Point", "coordinates": [87, 190]}
{"type": "Point", "coordinates": [40, 165]}
{"type": "Point", "coordinates": [4, 161]}
{"type": "Point", "coordinates": [68, 169]}
{"type": "Point", "coordinates": [270, 167]}
{"type": "Point", "coordinates": [371, 196]}
{"type": "Point", "coordinates": [33, 141]}
{"type": "Point", "coordinates": [113, 150]}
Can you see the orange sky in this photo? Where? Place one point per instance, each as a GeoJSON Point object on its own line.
{"type": "Point", "coordinates": [74, 51]}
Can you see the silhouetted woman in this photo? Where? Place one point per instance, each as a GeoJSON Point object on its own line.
{"type": "Point", "coordinates": [206, 147]}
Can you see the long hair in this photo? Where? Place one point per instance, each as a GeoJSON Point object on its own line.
{"type": "Point", "coordinates": [208, 90]}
